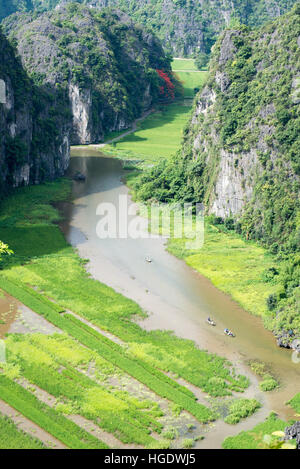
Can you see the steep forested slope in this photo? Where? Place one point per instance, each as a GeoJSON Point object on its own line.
{"type": "Point", "coordinates": [241, 151]}
{"type": "Point", "coordinates": [7, 7]}
{"type": "Point", "coordinates": [34, 126]}
{"type": "Point", "coordinates": [104, 63]}
{"type": "Point", "coordinates": [87, 73]}
{"type": "Point", "coordinates": [186, 26]}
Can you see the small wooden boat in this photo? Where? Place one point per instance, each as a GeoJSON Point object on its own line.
{"type": "Point", "coordinates": [79, 177]}
{"type": "Point", "coordinates": [229, 333]}
{"type": "Point", "coordinates": [211, 322]}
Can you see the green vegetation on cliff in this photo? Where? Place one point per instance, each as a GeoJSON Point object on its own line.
{"type": "Point", "coordinates": [84, 73]}
{"type": "Point", "coordinates": [104, 63]}
{"type": "Point", "coordinates": [7, 7]}
{"type": "Point", "coordinates": [245, 129]}
{"type": "Point", "coordinates": [185, 26]}
{"type": "Point", "coordinates": [34, 125]}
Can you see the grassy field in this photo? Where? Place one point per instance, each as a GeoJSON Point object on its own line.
{"type": "Point", "coordinates": [40, 357]}
{"type": "Point", "coordinates": [234, 265]}
{"type": "Point", "coordinates": [45, 417]}
{"type": "Point", "coordinates": [295, 403]}
{"type": "Point", "coordinates": [61, 364]}
{"type": "Point", "coordinates": [191, 81]}
{"type": "Point", "coordinates": [191, 78]}
{"type": "Point", "coordinates": [253, 439]}
{"type": "Point", "coordinates": [158, 136]}
{"type": "Point", "coordinates": [13, 438]}
{"type": "Point", "coordinates": [184, 64]}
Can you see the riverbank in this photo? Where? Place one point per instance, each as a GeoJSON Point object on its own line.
{"type": "Point", "coordinates": [176, 297]}
{"type": "Point", "coordinates": [112, 348]}
{"type": "Point", "coordinates": [44, 267]}
{"type": "Point", "coordinates": [235, 266]}
{"type": "Point", "coordinates": [239, 268]}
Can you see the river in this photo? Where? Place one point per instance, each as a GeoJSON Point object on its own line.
{"type": "Point", "coordinates": [175, 297]}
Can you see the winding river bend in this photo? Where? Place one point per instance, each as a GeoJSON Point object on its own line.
{"type": "Point", "coordinates": [175, 297]}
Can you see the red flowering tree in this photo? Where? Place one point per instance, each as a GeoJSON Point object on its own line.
{"type": "Point", "coordinates": [166, 89]}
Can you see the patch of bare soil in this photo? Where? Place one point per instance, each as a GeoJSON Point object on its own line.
{"type": "Point", "coordinates": [102, 435]}
{"type": "Point", "coordinates": [27, 321]}
{"type": "Point", "coordinates": [8, 313]}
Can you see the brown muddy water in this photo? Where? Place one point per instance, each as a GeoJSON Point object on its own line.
{"type": "Point", "coordinates": [174, 296]}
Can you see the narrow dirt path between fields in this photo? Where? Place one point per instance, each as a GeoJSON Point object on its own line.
{"type": "Point", "coordinates": [29, 427]}
{"type": "Point", "coordinates": [106, 334]}
{"type": "Point", "coordinates": [82, 422]}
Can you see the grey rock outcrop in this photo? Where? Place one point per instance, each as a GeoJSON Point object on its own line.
{"type": "Point", "coordinates": [293, 433]}
{"type": "Point", "coordinates": [189, 27]}
{"type": "Point", "coordinates": [234, 161]}
{"type": "Point", "coordinates": [34, 140]}
{"type": "Point", "coordinates": [104, 63]}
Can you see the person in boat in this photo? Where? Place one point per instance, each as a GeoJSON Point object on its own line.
{"type": "Point", "coordinates": [211, 321]}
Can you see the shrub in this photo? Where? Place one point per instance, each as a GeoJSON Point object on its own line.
{"type": "Point", "coordinates": [268, 383]}
{"type": "Point", "coordinates": [188, 443]}
{"type": "Point", "coordinates": [240, 409]}
{"type": "Point", "coordinates": [272, 302]}
{"type": "Point", "coordinates": [170, 433]}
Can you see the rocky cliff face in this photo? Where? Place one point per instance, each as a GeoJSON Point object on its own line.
{"type": "Point", "coordinates": [189, 26]}
{"type": "Point", "coordinates": [34, 139]}
{"type": "Point", "coordinates": [240, 153]}
{"type": "Point", "coordinates": [245, 123]}
{"type": "Point", "coordinates": [7, 7]}
{"type": "Point", "coordinates": [293, 433]}
{"type": "Point", "coordinates": [185, 26]}
{"type": "Point", "coordinates": [103, 61]}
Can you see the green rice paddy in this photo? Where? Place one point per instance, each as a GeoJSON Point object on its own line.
{"type": "Point", "coordinates": [160, 134]}
{"type": "Point", "coordinates": [44, 267]}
